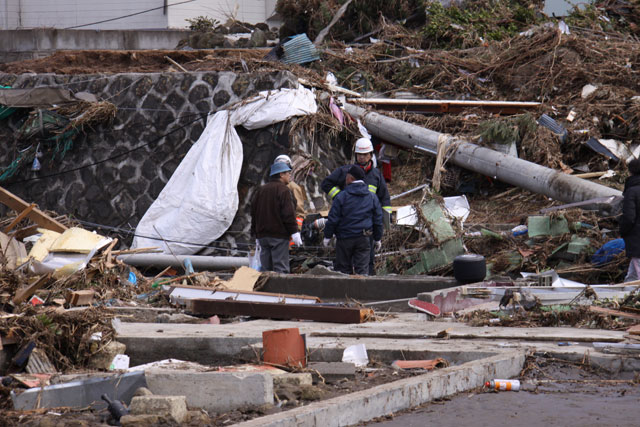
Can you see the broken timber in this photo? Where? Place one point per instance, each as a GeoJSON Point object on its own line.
{"type": "Point", "coordinates": [512, 170]}
{"type": "Point", "coordinates": [444, 105]}
{"type": "Point", "coordinates": [279, 311]}
{"type": "Point", "coordinates": [34, 214]}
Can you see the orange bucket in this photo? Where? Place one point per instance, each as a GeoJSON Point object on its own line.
{"type": "Point", "coordinates": [284, 347]}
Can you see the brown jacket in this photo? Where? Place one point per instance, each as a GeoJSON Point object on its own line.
{"type": "Point", "coordinates": [272, 211]}
{"type": "Point", "coordinates": [301, 196]}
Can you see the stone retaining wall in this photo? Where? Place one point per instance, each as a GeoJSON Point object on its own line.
{"type": "Point", "coordinates": [113, 173]}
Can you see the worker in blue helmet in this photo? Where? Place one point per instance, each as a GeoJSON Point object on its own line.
{"type": "Point", "coordinates": [273, 220]}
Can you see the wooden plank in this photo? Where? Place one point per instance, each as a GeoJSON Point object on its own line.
{"type": "Point", "coordinates": [24, 294]}
{"type": "Point", "coordinates": [634, 330]}
{"type": "Point", "coordinates": [83, 297]}
{"type": "Point", "coordinates": [279, 311]}
{"type": "Point", "coordinates": [19, 218]}
{"type": "Point", "coordinates": [36, 215]}
{"type": "Point", "coordinates": [612, 312]}
{"type": "Point", "coordinates": [33, 229]}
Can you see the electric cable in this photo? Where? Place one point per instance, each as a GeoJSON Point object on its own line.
{"type": "Point", "coordinates": [129, 15]}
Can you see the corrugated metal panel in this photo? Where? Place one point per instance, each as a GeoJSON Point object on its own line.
{"type": "Point", "coordinates": [299, 50]}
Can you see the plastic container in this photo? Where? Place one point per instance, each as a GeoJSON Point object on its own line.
{"type": "Point", "coordinates": [284, 347]}
{"type": "Point", "coordinates": [503, 385]}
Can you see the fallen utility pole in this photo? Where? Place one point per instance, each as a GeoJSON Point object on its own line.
{"type": "Point", "coordinates": [512, 170]}
{"type": "Point", "coordinates": [199, 261]}
{"type": "Point", "coordinates": [444, 105]}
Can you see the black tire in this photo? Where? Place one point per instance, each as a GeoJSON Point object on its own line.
{"type": "Point", "coordinates": [469, 268]}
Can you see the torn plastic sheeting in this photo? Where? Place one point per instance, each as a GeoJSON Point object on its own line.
{"type": "Point", "coordinates": [556, 281]}
{"type": "Point", "coordinates": [200, 200]}
{"type": "Point", "coordinates": [458, 207]}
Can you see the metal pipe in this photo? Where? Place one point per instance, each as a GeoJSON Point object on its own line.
{"type": "Point", "coordinates": [199, 262]}
{"type": "Point", "coordinates": [514, 171]}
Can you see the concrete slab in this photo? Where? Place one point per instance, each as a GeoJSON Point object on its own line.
{"type": "Point", "coordinates": [213, 391]}
{"type": "Point", "coordinates": [389, 398]}
{"type": "Point", "coordinates": [209, 344]}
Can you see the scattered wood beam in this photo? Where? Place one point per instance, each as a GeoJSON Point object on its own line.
{"type": "Point", "coordinates": [279, 311]}
{"type": "Point", "coordinates": [24, 294]}
{"type": "Point", "coordinates": [36, 215]}
{"type": "Point", "coordinates": [612, 312]}
{"type": "Point", "coordinates": [19, 218]}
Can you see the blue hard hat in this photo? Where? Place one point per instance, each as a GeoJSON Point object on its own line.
{"type": "Point", "coordinates": [279, 167]}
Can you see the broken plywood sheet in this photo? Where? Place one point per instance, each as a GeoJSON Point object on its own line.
{"type": "Point", "coordinates": [76, 240]}
{"type": "Point", "coordinates": [41, 248]}
{"type": "Point", "coordinates": [244, 279]}
{"type": "Point", "coordinates": [13, 250]}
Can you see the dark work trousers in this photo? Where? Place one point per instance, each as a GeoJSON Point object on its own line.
{"type": "Point", "coordinates": [352, 255]}
{"type": "Point", "coordinates": [274, 254]}
{"type": "Point", "coordinates": [372, 253]}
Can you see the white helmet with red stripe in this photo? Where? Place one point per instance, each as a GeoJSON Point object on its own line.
{"type": "Point", "coordinates": [364, 145]}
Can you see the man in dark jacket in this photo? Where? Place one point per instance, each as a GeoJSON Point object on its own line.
{"type": "Point", "coordinates": [335, 183]}
{"type": "Point", "coordinates": [354, 218]}
{"type": "Point", "coordinates": [630, 221]}
{"type": "Point", "coordinates": [273, 220]}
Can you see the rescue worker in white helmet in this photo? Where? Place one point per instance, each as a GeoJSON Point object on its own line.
{"type": "Point", "coordinates": [335, 183]}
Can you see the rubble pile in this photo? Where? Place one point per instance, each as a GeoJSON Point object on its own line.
{"type": "Point", "coordinates": [460, 246]}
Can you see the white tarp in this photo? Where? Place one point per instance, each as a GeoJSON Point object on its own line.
{"type": "Point", "coordinates": [200, 200]}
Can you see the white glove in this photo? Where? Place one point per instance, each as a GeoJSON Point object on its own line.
{"type": "Point", "coordinates": [297, 240]}
{"type": "Point", "coordinates": [377, 245]}
{"type": "Point", "coordinates": [257, 244]}
{"type": "Point", "coordinates": [325, 242]}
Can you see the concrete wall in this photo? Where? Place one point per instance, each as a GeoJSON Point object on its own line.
{"type": "Point", "coordinates": [113, 173]}
{"type": "Point", "coordinates": [251, 11]}
{"type": "Point", "coordinates": [99, 15]}
{"type": "Point", "coordinates": [74, 13]}
{"type": "Point", "coordinates": [18, 45]}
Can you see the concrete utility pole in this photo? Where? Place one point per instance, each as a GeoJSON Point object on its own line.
{"type": "Point", "coordinates": [521, 173]}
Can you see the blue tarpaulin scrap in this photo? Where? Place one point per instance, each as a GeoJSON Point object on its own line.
{"type": "Point", "coordinates": [608, 251]}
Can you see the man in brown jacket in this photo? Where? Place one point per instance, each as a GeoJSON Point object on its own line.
{"type": "Point", "coordinates": [273, 220]}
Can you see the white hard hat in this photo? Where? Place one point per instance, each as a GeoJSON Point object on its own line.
{"type": "Point", "coordinates": [283, 158]}
{"type": "Point", "coordinates": [364, 145]}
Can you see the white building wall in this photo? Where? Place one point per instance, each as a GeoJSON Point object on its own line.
{"type": "Point", "coordinates": [22, 14]}
{"type": "Point", "coordinates": [251, 11]}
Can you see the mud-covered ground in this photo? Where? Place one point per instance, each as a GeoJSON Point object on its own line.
{"type": "Point", "coordinates": [556, 394]}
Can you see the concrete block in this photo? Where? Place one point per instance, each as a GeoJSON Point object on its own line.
{"type": "Point", "coordinates": [439, 225]}
{"type": "Point", "coordinates": [174, 407]}
{"type": "Point", "coordinates": [332, 371]}
{"type": "Point", "coordinates": [141, 420]}
{"type": "Point", "coordinates": [213, 391]}
{"type": "Point", "coordinates": [103, 359]}
{"type": "Point", "coordinates": [296, 379]}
